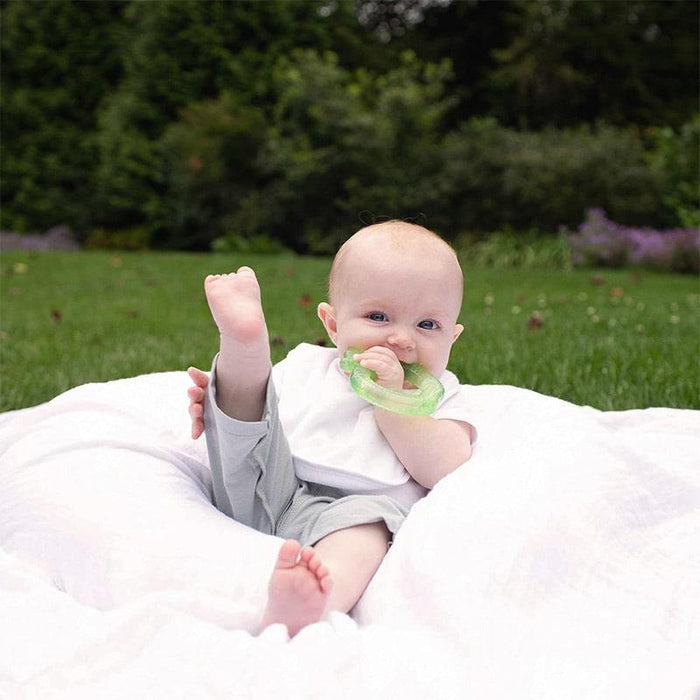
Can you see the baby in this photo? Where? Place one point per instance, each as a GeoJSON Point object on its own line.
{"type": "Point", "coordinates": [294, 452]}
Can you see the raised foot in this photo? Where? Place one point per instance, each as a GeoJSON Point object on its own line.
{"type": "Point", "coordinates": [243, 365]}
{"type": "Point", "coordinates": [299, 588]}
{"type": "Point", "coordinates": [236, 306]}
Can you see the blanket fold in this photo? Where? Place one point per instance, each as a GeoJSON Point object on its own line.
{"type": "Point", "coordinates": [562, 561]}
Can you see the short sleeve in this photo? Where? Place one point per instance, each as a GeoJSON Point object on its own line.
{"type": "Point", "coordinates": [455, 405]}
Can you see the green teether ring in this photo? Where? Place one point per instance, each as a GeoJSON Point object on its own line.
{"type": "Point", "coordinates": [421, 401]}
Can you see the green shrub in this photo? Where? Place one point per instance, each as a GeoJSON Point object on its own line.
{"type": "Point", "coordinates": [493, 177]}
{"type": "Point", "coordinates": [343, 149]}
{"type": "Point", "coordinates": [211, 174]}
{"type": "Point", "coordinates": [507, 249]}
{"type": "Point", "coordinates": [675, 156]}
{"type": "Point", "coordinates": [349, 148]}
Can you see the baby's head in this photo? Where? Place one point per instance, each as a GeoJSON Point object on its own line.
{"type": "Point", "coordinates": [398, 285]}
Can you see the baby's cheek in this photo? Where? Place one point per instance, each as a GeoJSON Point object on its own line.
{"type": "Point", "coordinates": [437, 363]}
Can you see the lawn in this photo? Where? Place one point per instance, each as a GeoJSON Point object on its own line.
{"type": "Point", "coordinates": [611, 339]}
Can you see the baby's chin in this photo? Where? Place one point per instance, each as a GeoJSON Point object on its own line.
{"type": "Point", "coordinates": [435, 371]}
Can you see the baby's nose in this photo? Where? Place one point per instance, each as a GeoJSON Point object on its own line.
{"type": "Point", "coordinates": [401, 339]}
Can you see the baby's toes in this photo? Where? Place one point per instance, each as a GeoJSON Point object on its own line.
{"type": "Point", "coordinates": [315, 564]}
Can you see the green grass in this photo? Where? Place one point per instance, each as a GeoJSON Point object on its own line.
{"type": "Point", "coordinates": [610, 339]}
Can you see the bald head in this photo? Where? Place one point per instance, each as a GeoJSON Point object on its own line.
{"type": "Point", "coordinates": [406, 244]}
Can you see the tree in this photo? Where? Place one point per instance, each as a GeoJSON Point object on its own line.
{"type": "Point", "coordinates": [468, 33]}
{"type": "Point", "coordinates": [338, 143]}
{"type": "Point", "coordinates": [212, 173]}
{"type": "Point", "coordinates": [538, 63]}
{"type": "Point", "coordinates": [625, 62]}
{"type": "Point", "coordinates": [185, 120]}
{"type": "Point", "coordinates": [185, 52]}
{"type": "Point", "coordinates": [59, 60]}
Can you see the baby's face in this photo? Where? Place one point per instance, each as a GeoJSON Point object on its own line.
{"type": "Point", "coordinates": [410, 307]}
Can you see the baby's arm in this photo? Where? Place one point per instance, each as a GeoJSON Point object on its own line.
{"type": "Point", "coordinates": [429, 448]}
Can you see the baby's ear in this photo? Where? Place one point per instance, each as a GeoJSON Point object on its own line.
{"type": "Point", "coordinates": [327, 315]}
{"type": "Point", "coordinates": [457, 332]}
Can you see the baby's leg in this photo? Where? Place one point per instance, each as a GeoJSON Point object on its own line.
{"type": "Point", "coordinates": [243, 366]}
{"type": "Point", "coordinates": [353, 556]}
{"type": "Point", "coordinates": [251, 464]}
{"type": "Point", "coordinates": [330, 576]}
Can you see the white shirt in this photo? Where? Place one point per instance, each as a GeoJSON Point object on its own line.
{"type": "Point", "coordinates": [332, 432]}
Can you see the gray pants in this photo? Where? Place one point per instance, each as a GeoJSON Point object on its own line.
{"type": "Point", "coordinates": [255, 482]}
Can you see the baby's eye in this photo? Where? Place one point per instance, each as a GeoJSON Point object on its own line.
{"type": "Point", "coordinates": [377, 316]}
{"type": "Point", "coordinates": [429, 325]}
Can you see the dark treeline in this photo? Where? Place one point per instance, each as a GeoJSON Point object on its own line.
{"type": "Point", "coordinates": [184, 123]}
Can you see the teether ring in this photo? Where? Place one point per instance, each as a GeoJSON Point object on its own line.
{"type": "Point", "coordinates": [421, 401]}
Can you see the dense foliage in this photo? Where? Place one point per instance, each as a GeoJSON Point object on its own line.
{"type": "Point", "coordinates": [250, 125]}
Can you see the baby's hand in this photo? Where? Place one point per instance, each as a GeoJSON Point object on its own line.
{"type": "Point", "coordinates": [385, 363]}
{"type": "Point", "coordinates": [196, 395]}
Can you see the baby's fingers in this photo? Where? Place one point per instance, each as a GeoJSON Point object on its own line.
{"type": "Point", "coordinates": [378, 351]}
{"type": "Point", "coordinates": [389, 371]}
{"type": "Point", "coordinates": [379, 357]}
{"type": "Point", "coordinates": [199, 378]}
{"type": "Point", "coordinates": [197, 428]}
{"type": "Point", "coordinates": [196, 411]}
{"type": "Point", "coordinates": [196, 394]}
{"type": "Point", "coordinates": [382, 367]}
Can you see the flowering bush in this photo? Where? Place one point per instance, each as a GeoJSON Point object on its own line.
{"type": "Point", "coordinates": [600, 242]}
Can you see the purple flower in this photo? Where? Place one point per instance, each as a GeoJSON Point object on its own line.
{"type": "Point", "coordinates": [600, 242]}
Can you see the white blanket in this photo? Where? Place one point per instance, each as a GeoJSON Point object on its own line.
{"type": "Point", "coordinates": [562, 561]}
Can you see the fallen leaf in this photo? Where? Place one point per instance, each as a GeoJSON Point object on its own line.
{"type": "Point", "coordinates": [277, 341]}
{"type": "Point", "coordinates": [56, 315]}
{"type": "Point", "coordinates": [535, 322]}
{"type": "Point", "coordinates": [304, 301]}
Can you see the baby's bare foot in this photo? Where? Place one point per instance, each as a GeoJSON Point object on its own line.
{"type": "Point", "coordinates": [236, 306]}
{"type": "Point", "coordinates": [243, 366]}
{"type": "Point", "coordinates": [299, 588]}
